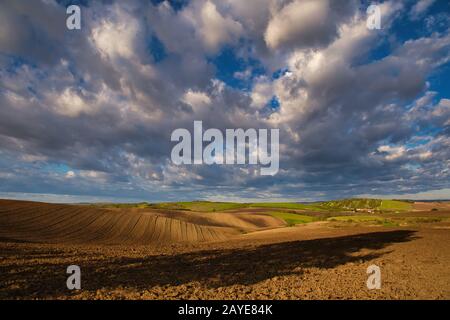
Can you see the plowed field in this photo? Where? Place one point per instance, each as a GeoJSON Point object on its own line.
{"type": "Point", "coordinates": [237, 254]}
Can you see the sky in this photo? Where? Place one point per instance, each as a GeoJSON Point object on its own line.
{"type": "Point", "coordinates": [87, 115]}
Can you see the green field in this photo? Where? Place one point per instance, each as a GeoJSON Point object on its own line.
{"type": "Point", "coordinates": [288, 205]}
{"type": "Point", "coordinates": [395, 205]}
{"type": "Point", "coordinates": [292, 218]}
{"type": "Point", "coordinates": [341, 205]}
{"type": "Point", "coordinates": [140, 205]}
{"type": "Point", "coordinates": [364, 220]}
{"type": "Point", "coordinates": [356, 211]}
{"type": "Point", "coordinates": [201, 206]}
{"type": "Point", "coordinates": [351, 204]}
{"type": "Point", "coordinates": [388, 222]}
{"type": "Point", "coordinates": [366, 204]}
{"type": "Point", "coordinates": [344, 205]}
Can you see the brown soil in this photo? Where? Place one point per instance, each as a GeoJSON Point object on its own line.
{"type": "Point", "coordinates": [53, 223]}
{"type": "Point", "coordinates": [314, 261]}
{"type": "Point", "coordinates": [428, 206]}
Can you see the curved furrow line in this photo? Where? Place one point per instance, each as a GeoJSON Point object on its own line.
{"type": "Point", "coordinates": [155, 229]}
{"type": "Point", "coordinates": [10, 212]}
{"type": "Point", "coordinates": [210, 233]}
{"type": "Point", "coordinates": [96, 229]}
{"type": "Point", "coordinates": [125, 234]}
{"type": "Point", "coordinates": [41, 219]}
{"type": "Point", "coordinates": [51, 230]}
{"type": "Point", "coordinates": [76, 233]}
{"type": "Point", "coordinates": [83, 224]}
{"type": "Point", "coordinates": [167, 229]}
{"type": "Point", "coordinates": [150, 230]}
{"type": "Point", "coordinates": [119, 226]}
{"type": "Point", "coordinates": [99, 232]}
{"type": "Point", "coordinates": [126, 229]}
{"type": "Point", "coordinates": [184, 231]}
{"type": "Point", "coordinates": [71, 223]}
{"type": "Point", "coordinates": [139, 230]}
{"type": "Point", "coordinates": [39, 225]}
{"type": "Point", "coordinates": [96, 216]}
{"type": "Point", "coordinates": [72, 231]}
{"type": "Point", "coordinates": [159, 228]}
{"type": "Point", "coordinates": [108, 231]}
{"type": "Point", "coordinates": [194, 233]}
{"type": "Point", "coordinates": [130, 237]}
{"type": "Point", "coordinates": [32, 218]}
{"type": "Point", "coordinates": [146, 230]}
{"type": "Point", "coordinates": [201, 234]}
{"type": "Point", "coordinates": [177, 228]}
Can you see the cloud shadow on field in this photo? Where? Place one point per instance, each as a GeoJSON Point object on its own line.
{"type": "Point", "coordinates": [212, 268]}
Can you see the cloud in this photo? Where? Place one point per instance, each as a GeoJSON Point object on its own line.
{"type": "Point", "coordinates": [70, 103]}
{"type": "Point", "coordinates": [91, 112]}
{"type": "Point", "coordinates": [70, 174]}
{"type": "Point", "coordinates": [197, 100]}
{"type": "Point", "coordinates": [306, 23]}
{"type": "Point", "coordinates": [116, 35]}
{"type": "Point", "coordinates": [392, 152]}
{"type": "Point", "coordinates": [217, 30]}
{"type": "Point", "coordinates": [420, 8]}
{"type": "Point", "coordinates": [20, 30]}
{"type": "Point", "coordinates": [442, 112]}
{"type": "Point", "coordinates": [262, 92]}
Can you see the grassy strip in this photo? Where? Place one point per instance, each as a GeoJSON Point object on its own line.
{"type": "Point", "coordinates": [288, 205]}
{"type": "Point", "coordinates": [393, 205]}
{"type": "Point", "coordinates": [202, 206]}
{"type": "Point", "coordinates": [364, 219]}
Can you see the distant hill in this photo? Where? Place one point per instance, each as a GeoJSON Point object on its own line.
{"type": "Point", "coordinates": [324, 206]}
{"type": "Point", "coordinates": [368, 204]}
{"type": "Point", "coordinates": [344, 204]}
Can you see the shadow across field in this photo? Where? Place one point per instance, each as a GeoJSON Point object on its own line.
{"type": "Point", "coordinates": [212, 268]}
